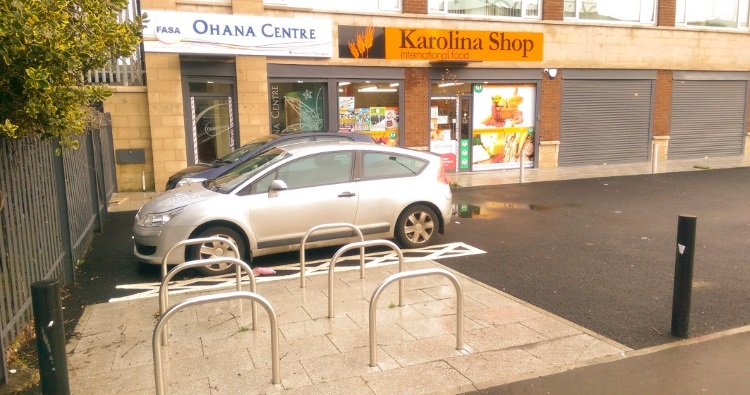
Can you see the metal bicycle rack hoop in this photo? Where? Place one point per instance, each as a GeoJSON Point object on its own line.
{"type": "Point", "coordinates": [362, 245]}
{"type": "Point", "coordinates": [198, 300]}
{"type": "Point", "coordinates": [329, 226]}
{"type": "Point", "coordinates": [415, 273]}
{"type": "Point", "coordinates": [164, 287]}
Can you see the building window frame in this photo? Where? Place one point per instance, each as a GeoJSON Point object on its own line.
{"type": "Point", "coordinates": [685, 8]}
{"type": "Point", "coordinates": [583, 11]}
{"type": "Point", "coordinates": [341, 5]}
{"type": "Point", "coordinates": [440, 7]}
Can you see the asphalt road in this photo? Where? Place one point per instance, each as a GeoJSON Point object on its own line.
{"type": "Point", "coordinates": [602, 252]}
{"type": "Point", "coordinates": [598, 252]}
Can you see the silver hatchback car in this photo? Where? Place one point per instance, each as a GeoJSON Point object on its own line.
{"type": "Point", "coordinates": [269, 203]}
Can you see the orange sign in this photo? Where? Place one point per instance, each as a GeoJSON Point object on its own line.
{"type": "Point", "coordinates": [458, 45]}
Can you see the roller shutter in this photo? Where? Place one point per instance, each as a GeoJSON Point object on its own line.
{"type": "Point", "coordinates": [605, 121]}
{"type": "Point", "coordinates": [708, 119]}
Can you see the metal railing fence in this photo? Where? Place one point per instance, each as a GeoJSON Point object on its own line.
{"type": "Point", "coordinates": [50, 206]}
{"type": "Point", "coordinates": [126, 71]}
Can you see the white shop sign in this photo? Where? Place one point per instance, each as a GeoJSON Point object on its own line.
{"type": "Point", "coordinates": [185, 32]}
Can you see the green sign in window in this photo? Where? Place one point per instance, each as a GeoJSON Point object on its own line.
{"type": "Point", "coordinates": [463, 155]}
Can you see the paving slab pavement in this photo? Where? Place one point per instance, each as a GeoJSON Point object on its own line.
{"type": "Point", "coordinates": [509, 346]}
{"type": "Point", "coordinates": [711, 364]}
{"type": "Point", "coordinates": [213, 349]}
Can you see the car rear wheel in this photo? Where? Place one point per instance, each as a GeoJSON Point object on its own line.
{"type": "Point", "coordinates": [416, 227]}
{"type": "Point", "coordinates": [217, 250]}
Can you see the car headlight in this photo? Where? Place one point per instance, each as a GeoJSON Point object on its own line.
{"type": "Point", "coordinates": [189, 180]}
{"type": "Point", "coordinates": [153, 220]}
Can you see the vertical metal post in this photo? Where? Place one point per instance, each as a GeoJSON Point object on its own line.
{"type": "Point", "coordinates": [50, 337]}
{"type": "Point", "coordinates": [68, 267]}
{"type": "Point", "coordinates": [3, 368]}
{"type": "Point", "coordinates": [683, 275]}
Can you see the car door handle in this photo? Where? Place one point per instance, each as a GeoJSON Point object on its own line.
{"type": "Point", "coordinates": [347, 194]}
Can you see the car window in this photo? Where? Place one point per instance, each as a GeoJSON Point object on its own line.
{"type": "Point", "coordinates": [236, 176]}
{"type": "Point", "coordinates": [388, 165]}
{"type": "Point", "coordinates": [310, 171]}
{"type": "Point", "coordinates": [236, 154]}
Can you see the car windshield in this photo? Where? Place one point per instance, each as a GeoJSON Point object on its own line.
{"type": "Point", "coordinates": [230, 180]}
{"type": "Point", "coordinates": [236, 154]}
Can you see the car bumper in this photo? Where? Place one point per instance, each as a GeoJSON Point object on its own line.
{"type": "Point", "coordinates": [150, 245]}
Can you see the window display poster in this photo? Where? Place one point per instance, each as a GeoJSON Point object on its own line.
{"type": "Point", "coordinates": [346, 113]}
{"type": "Point", "coordinates": [447, 150]}
{"type": "Point", "coordinates": [377, 119]}
{"type": "Point", "coordinates": [296, 107]}
{"type": "Point", "coordinates": [384, 125]}
{"type": "Point", "coordinates": [391, 118]}
{"type": "Point", "coordinates": [503, 126]}
{"type": "Point", "coordinates": [362, 119]}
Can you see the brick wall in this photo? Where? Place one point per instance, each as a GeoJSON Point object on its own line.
{"type": "Point", "coordinates": [165, 113]}
{"type": "Point", "coordinates": [662, 103]}
{"type": "Point", "coordinates": [416, 96]}
{"type": "Point", "coordinates": [131, 130]}
{"type": "Point", "coordinates": [551, 99]}
{"type": "Point", "coordinates": [252, 97]}
{"type": "Point", "coordinates": [414, 6]}
{"type": "Point", "coordinates": [552, 10]}
{"type": "Point", "coordinates": [158, 4]}
{"type": "Point", "coordinates": [665, 14]}
{"type": "Point", "coordinates": [247, 7]}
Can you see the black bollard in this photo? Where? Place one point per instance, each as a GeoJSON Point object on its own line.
{"type": "Point", "coordinates": [683, 275]}
{"type": "Point", "coordinates": [50, 336]}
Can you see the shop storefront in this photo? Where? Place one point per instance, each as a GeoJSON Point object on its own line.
{"type": "Point", "coordinates": [708, 114]}
{"type": "Point", "coordinates": [606, 117]}
{"type": "Point", "coordinates": [359, 99]}
{"type": "Point", "coordinates": [482, 119]}
{"type": "Point", "coordinates": [479, 119]}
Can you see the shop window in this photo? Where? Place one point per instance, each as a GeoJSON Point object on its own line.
{"type": "Point", "coordinates": [499, 8]}
{"type": "Point", "coordinates": [713, 13]}
{"type": "Point", "coordinates": [482, 125]}
{"type": "Point", "coordinates": [297, 106]}
{"type": "Point", "coordinates": [341, 5]}
{"type": "Point", "coordinates": [639, 11]}
{"type": "Point", "coordinates": [370, 107]}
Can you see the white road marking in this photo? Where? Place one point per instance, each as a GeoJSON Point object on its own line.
{"type": "Point", "coordinates": [312, 268]}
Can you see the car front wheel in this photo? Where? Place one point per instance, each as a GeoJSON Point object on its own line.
{"type": "Point", "coordinates": [416, 227]}
{"type": "Point", "coordinates": [217, 250]}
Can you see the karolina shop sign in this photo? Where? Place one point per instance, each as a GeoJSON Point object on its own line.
{"type": "Point", "coordinates": [184, 32]}
{"type": "Point", "coordinates": [438, 44]}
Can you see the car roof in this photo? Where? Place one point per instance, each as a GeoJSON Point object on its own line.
{"type": "Point", "coordinates": [330, 146]}
{"type": "Point", "coordinates": [356, 135]}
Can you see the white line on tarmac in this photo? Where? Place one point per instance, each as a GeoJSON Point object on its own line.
{"type": "Point", "coordinates": [375, 259]}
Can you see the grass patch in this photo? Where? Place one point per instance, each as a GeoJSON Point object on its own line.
{"type": "Point", "coordinates": [23, 361]}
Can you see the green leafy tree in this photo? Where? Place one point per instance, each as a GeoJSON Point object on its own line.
{"type": "Point", "coordinates": [46, 47]}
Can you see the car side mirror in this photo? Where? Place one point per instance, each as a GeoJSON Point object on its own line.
{"type": "Point", "coordinates": [275, 187]}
